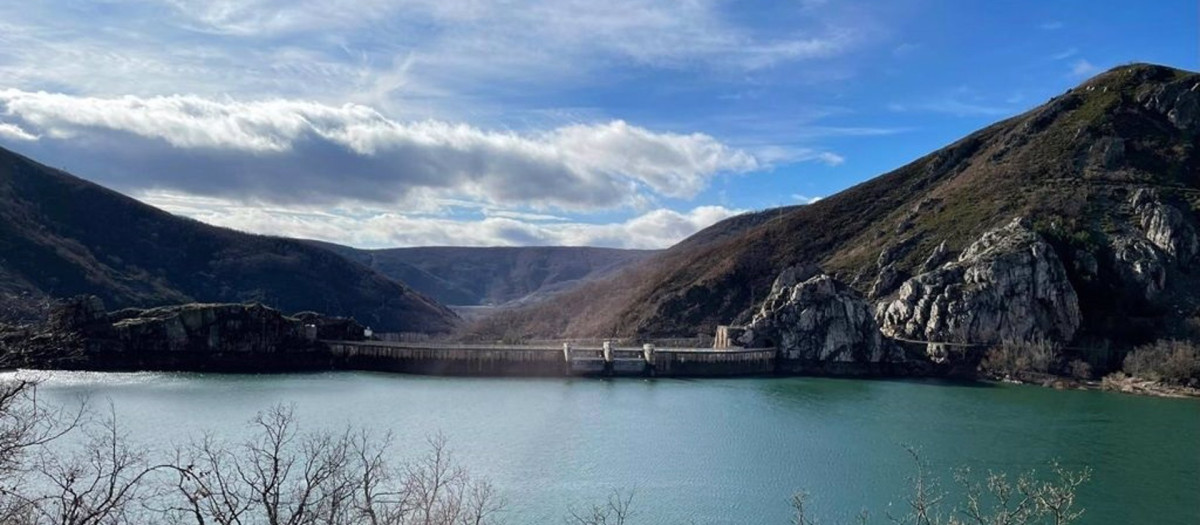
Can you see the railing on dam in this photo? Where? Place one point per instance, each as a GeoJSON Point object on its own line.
{"type": "Point", "coordinates": [548, 360]}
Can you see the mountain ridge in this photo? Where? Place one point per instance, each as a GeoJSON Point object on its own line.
{"type": "Point", "coordinates": [493, 275]}
{"type": "Point", "coordinates": [1112, 134]}
{"type": "Point", "coordinates": [61, 235]}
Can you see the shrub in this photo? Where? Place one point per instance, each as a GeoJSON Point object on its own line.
{"type": "Point", "coordinates": [1080, 369]}
{"type": "Point", "coordinates": [1170, 361]}
{"type": "Point", "coordinates": [1011, 359]}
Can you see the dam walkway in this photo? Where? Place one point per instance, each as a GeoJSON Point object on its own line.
{"type": "Point", "coordinates": [552, 360]}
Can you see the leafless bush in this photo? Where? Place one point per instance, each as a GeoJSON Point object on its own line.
{"type": "Point", "coordinates": [96, 482]}
{"type": "Point", "coordinates": [1169, 361]}
{"type": "Point", "coordinates": [1029, 500]}
{"type": "Point", "coordinates": [280, 476]}
{"type": "Point", "coordinates": [1080, 369]}
{"type": "Point", "coordinates": [100, 482]}
{"type": "Point", "coordinates": [616, 511]}
{"type": "Point", "coordinates": [801, 516]}
{"type": "Point", "coordinates": [26, 426]}
{"type": "Point", "coordinates": [1011, 359]}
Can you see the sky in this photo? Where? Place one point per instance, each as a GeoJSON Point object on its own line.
{"type": "Point", "coordinates": [622, 123]}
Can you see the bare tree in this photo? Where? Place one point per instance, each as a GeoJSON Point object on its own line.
{"type": "Point", "coordinates": [616, 511]}
{"type": "Point", "coordinates": [996, 501]}
{"type": "Point", "coordinates": [26, 427]}
{"type": "Point", "coordinates": [101, 483]}
{"type": "Point", "coordinates": [284, 477]}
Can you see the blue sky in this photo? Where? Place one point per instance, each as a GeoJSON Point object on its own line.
{"type": "Point", "coordinates": [627, 123]}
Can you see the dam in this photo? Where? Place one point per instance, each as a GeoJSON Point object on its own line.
{"type": "Point", "coordinates": [567, 359]}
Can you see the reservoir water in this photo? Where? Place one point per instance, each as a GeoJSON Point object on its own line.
{"type": "Point", "coordinates": [704, 451]}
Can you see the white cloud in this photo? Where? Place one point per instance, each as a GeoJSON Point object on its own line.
{"type": "Point", "coordinates": [410, 105]}
{"type": "Point", "coordinates": [804, 199]}
{"type": "Point", "coordinates": [662, 32]}
{"type": "Point", "coordinates": [1065, 54]}
{"type": "Point", "coordinates": [14, 132]}
{"type": "Point", "coordinates": [1083, 68]}
{"type": "Point", "coordinates": [298, 151]}
{"type": "Point", "coordinates": [373, 227]}
{"type": "Point", "coordinates": [431, 57]}
{"type": "Point", "coordinates": [953, 106]}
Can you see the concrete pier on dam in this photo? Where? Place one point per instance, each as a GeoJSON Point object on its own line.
{"type": "Point", "coordinates": [606, 360]}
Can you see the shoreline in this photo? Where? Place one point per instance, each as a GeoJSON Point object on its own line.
{"type": "Point", "coordinates": [1119, 385]}
{"type": "Point", "coordinates": [1116, 382]}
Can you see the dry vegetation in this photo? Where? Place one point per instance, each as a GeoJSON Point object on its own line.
{"type": "Point", "coordinates": [1169, 361]}
{"type": "Point", "coordinates": [1014, 360]}
{"type": "Point", "coordinates": [997, 500]}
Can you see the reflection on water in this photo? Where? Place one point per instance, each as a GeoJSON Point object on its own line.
{"type": "Point", "coordinates": [708, 451]}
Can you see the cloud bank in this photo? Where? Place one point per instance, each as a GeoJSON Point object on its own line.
{"type": "Point", "coordinates": [301, 152]}
{"type": "Point", "coordinates": [380, 123]}
{"type": "Point", "coordinates": [371, 227]}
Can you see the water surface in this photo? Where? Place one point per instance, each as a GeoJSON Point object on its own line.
{"type": "Point", "coordinates": [705, 451]}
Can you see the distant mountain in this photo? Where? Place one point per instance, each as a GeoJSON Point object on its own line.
{"type": "Point", "coordinates": [465, 276]}
{"type": "Point", "coordinates": [62, 236]}
{"type": "Point", "coordinates": [1106, 174]}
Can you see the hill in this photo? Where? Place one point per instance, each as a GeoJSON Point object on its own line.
{"type": "Point", "coordinates": [63, 236]}
{"type": "Point", "coordinates": [1106, 175]}
{"type": "Point", "coordinates": [471, 276]}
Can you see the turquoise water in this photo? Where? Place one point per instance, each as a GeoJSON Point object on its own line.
{"type": "Point", "coordinates": [705, 451]}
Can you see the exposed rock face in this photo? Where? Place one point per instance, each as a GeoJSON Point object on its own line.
{"type": "Point", "coordinates": [1142, 268]}
{"type": "Point", "coordinates": [887, 275]}
{"type": "Point", "coordinates": [816, 319]}
{"type": "Point", "coordinates": [940, 255]}
{"type": "Point", "coordinates": [233, 337]}
{"type": "Point", "coordinates": [1007, 286]}
{"type": "Point", "coordinates": [209, 328]}
{"type": "Point", "coordinates": [81, 312]}
{"type": "Point", "coordinates": [1178, 100]}
{"type": "Point", "coordinates": [885, 282]}
{"type": "Point", "coordinates": [1166, 226]}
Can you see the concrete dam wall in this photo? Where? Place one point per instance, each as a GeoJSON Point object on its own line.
{"type": "Point", "coordinates": [567, 360]}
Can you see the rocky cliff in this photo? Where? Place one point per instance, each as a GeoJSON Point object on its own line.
{"type": "Point", "coordinates": [811, 316]}
{"type": "Point", "coordinates": [225, 337]}
{"type": "Point", "coordinates": [1007, 286]}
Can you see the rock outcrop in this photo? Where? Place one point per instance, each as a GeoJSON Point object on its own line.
{"type": "Point", "coordinates": [231, 337]}
{"type": "Point", "coordinates": [1178, 100]}
{"type": "Point", "coordinates": [218, 328]}
{"type": "Point", "coordinates": [886, 282]}
{"type": "Point", "coordinates": [1007, 286]}
{"type": "Point", "coordinates": [812, 317]}
{"type": "Point", "coordinates": [1166, 226]}
{"type": "Point", "coordinates": [1142, 268]}
{"type": "Point", "coordinates": [940, 256]}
